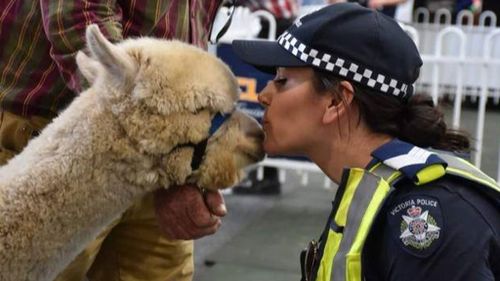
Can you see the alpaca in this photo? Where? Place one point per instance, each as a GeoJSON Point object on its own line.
{"type": "Point", "coordinates": [131, 132]}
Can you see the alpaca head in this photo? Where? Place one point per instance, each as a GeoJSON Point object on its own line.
{"type": "Point", "coordinates": [166, 96]}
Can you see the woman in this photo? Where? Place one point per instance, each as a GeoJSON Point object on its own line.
{"type": "Point", "coordinates": [343, 97]}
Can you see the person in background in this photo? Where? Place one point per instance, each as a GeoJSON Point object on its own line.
{"type": "Point", "coordinates": [313, 2]}
{"type": "Point", "coordinates": [479, 6]}
{"type": "Point", "coordinates": [335, 1]}
{"type": "Point", "coordinates": [285, 12]}
{"type": "Point", "coordinates": [39, 77]}
{"type": "Point", "coordinates": [406, 208]}
{"type": "Point", "coordinates": [387, 7]}
{"type": "Point", "coordinates": [472, 5]}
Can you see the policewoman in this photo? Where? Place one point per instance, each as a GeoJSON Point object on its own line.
{"type": "Point", "coordinates": [406, 208]}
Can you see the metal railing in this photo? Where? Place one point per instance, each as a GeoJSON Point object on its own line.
{"type": "Point", "coordinates": [460, 60]}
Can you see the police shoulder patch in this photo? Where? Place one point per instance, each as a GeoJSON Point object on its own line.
{"type": "Point", "coordinates": [416, 223]}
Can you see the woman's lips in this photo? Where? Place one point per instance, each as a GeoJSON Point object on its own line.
{"type": "Point", "coordinates": [264, 119]}
{"type": "Point", "coordinates": [265, 124]}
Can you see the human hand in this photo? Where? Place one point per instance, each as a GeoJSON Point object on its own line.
{"type": "Point", "coordinates": [184, 212]}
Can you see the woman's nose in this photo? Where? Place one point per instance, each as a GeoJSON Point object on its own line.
{"type": "Point", "coordinates": [264, 96]}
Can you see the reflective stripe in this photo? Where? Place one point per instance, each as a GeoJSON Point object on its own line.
{"type": "Point", "coordinates": [460, 167]}
{"type": "Point", "coordinates": [363, 189]}
{"type": "Point", "coordinates": [379, 196]}
{"type": "Point", "coordinates": [355, 176]}
{"type": "Point", "coordinates": [354, 255]}
{"type": "Point", "coordinates": [353, 262]}
{"type": "Point", "coordinates": [331, 247]}
{"type": "Point", "coordinates": [472, 177]}
{"type": "Point", "coordinates": [350, 181]}
{"type": "Point", "coordinates": [385, 172]}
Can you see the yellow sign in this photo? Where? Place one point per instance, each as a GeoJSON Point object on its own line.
{"type": "Point", "coordinates": [248, 89]}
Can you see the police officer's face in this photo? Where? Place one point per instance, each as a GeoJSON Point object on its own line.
{"type": "Point", "coordinates": [293, 112]}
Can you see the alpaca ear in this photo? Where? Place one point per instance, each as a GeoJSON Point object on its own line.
{"type": "Point", "coordinates": [114, 60]}
{"type": "Point", "coordinates": [88, 66]}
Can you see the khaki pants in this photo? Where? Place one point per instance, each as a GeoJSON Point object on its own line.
{"type": "Point", "coordinates": [130, 249]}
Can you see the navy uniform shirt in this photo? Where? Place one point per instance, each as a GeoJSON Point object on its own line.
{"type": "Point", "coordinates": [439, 231]}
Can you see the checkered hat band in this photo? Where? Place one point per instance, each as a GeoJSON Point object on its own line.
{"type": "Point", "coordinates": [343, 67]}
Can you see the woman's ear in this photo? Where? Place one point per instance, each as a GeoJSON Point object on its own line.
{"type": "Point", "coordinates": [338, 102]}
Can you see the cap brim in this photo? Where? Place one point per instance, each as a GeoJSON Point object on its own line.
{"type": "Point", "coordinates": [265, 55]}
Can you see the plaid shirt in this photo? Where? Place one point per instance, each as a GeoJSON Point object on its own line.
{"type": "Point", "coordinates": [39, 40]}
{"type": "Point", "coordinates": [281, 9]}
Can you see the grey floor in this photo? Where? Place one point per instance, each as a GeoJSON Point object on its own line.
{"type": "Point", "coordinates": [262, 236]}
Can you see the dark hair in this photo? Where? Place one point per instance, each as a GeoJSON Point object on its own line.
{"type": "Point", "coordinates": [417, 121]}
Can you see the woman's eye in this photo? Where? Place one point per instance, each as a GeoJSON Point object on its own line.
{"type": "Point", "coordinates": [280, 80]}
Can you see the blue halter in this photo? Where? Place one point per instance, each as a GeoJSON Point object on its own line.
{"type": "Point", "coordinates": [199, 149]}
{"type": "Point", "coordinates": [217, 121]}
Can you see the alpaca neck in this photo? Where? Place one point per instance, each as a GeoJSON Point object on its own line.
{"type": "Point", "coordinates": [62, 190]}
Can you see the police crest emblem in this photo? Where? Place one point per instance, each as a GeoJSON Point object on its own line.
{"type": "Point", "coordinates": [416, 223]}
{"type": "Point", "coordinates": [418, 229]}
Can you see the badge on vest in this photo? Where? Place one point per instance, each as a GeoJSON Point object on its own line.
{"type": "Point", "coordinates": [416, 222]}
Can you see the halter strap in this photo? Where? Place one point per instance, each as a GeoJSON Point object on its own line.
{"type": "Point", "coordinates": [199, 148]}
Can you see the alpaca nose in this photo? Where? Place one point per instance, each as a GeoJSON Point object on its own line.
{"type": "Point", "coordinates": [257, 133]}
{"type": "Point", "coordinates": [251, 127]}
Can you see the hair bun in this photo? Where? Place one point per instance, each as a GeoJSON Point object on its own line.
{"type": "Point", "coordinates": [422, 123]}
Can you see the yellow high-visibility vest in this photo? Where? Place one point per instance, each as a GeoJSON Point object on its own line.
{"type": "Point", "coordinates": [361, 195]}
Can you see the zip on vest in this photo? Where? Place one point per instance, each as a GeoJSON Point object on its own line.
{"type": "Point", "coordinates": [362, 193]}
